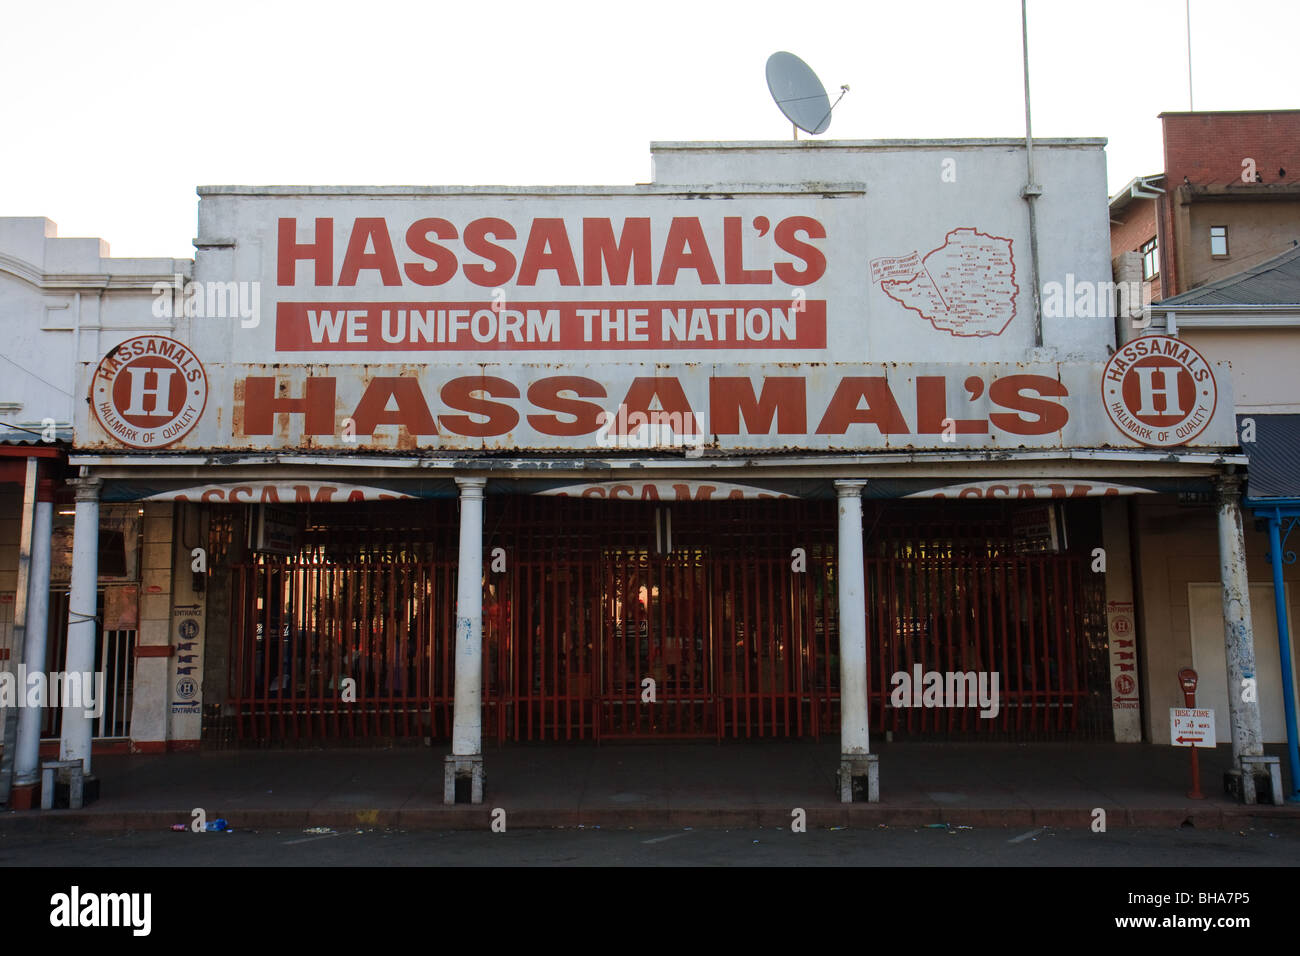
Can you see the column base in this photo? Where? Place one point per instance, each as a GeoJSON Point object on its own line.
{"type": "Point", "coordinates": [1259, 780]}
{"type": "Point", "coordinates": [462, 779]}
{"type": "Point", "coordinates": [24, 796]}
{"type": "Point", "coordinates": [859, 778]}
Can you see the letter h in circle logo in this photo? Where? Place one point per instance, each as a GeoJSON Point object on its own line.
{"type": "Point", "coordinates": [160, 392]}
{"type": "Point", "coordinates": [1168, 389]}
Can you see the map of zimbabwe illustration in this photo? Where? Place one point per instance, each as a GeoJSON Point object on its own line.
{"type": "Point", "coordinates": [966, 287]}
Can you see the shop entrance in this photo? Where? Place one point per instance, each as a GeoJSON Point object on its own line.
{"type": "Point", "coordinates": [689, 619]}
{"type": "Point", "coordinates": [647, 620]}
{"type": "Point", "coordinates": [656, 673]}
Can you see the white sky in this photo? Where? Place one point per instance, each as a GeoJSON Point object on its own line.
{"type": "Point", "coordinates": [115, 111]}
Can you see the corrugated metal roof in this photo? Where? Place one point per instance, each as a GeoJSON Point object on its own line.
{"type": "Point", "coordinates": [34, 436]}
{"type": "Point", "coordinates": [1274, 470]}
{"type": "Point", "coordinates": [1275, 282]}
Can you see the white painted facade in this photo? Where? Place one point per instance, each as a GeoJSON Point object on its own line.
{"type": "Point", "coordinates": [62, 301]}
{"type": "Point", "coordinates": [65, 301]}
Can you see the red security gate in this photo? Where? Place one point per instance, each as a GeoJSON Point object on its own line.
{"type": "Point", "coordinates": [342, 650]}
{"type": "Point", "coordinates": [632, 619]}
{"type": "Point", "coordinates": [656, 671]}
{"type": "Point", "coordinates": [629, 619]}
{"type": "Point", "coordinates": [348, 637]}
{"type": "Point", "coordinates": [540, 636]}
{"type": "Point", "coordinates": [1016, 617]}
{"type": "Point", "coordinates": [965, 598]}
{"type": "Point", "coordinates": [778, 644]}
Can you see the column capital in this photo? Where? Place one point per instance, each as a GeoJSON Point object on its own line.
{"type": "Point", "coordinates": [471, 487]}
{"type": "Point", "coordinates": [1228, 488]}
{"type": "Point", "coordinates": [87, 489]}
{"type": "Point", "coordinates": [849, 488]}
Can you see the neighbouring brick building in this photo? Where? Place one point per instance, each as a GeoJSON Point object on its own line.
{"type": "Point", "coordinates": [1228, 199]}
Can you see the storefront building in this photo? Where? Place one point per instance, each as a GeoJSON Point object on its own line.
{"type": "Point", "coordinates": [781, 444]}
{"type": "Point", "coordinates": [1252, 319]}
{"type": "Point", "coordinates": [63, 302]}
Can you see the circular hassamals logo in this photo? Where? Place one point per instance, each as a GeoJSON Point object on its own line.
{"type": "Point", "coordinates": [149, 391]}
{"type": "Point", "coordinates": [1159, 391]}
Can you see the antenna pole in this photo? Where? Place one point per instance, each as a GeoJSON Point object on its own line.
{"type": "Point", "coordinates": [795, 130]}
{"type": "Point", "coordinates": [1032, 190]}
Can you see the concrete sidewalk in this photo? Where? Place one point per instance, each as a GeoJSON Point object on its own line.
{"type": "Point", "coordinates": [662, 785]}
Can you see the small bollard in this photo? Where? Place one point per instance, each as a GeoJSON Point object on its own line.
{"type": "Point", "coordinates": [74, 770]}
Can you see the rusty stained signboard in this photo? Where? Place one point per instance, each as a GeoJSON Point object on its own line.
{"type": "Point", "coordinates": [464, 323]}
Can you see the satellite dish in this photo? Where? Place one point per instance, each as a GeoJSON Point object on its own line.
{"type": "Point", "coordinates": [798, 93]}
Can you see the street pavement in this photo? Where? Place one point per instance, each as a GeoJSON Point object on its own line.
{"type": "Point", "coordinates": [1274, 845]}
{"type": "Point", "coordinates": [732, 785]}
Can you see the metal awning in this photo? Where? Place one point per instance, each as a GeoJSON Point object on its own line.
{"type": "Point", "coordinates": [1274, 455]}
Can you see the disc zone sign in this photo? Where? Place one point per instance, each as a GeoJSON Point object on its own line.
{"type": "Point", "coordinates": [149, 391]}
{"type": "Point", "coordinates": [1159, 391]}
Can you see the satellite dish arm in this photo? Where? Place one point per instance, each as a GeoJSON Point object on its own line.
{"type": "Point", "coordinates": [844, 88]}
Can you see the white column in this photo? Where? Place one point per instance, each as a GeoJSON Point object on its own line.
{"type": "Point", "coordinates": [83, 628]}
{"type": "Point", "coordinates": [1238, 634]}
{"type": "Point", "coordinates": [1121, 621]}
{"type": "Point", "coordinates": [27, 769]}
{"type": "Point", "coordinates": [467, 723]}
{"type": "Point", "coordinates": [8, 759]}
{"type": "Point", "coordinates": [853, 621]}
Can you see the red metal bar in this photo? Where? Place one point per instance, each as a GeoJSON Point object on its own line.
{"type": "Point", "coordinates": [830, 620]}
{"type": "Point", "coordinates": [1004, 714]}
{"type": "Point", "coordinates": [1020, 658]}
{"type": "Point", "coordinates": [800, 637]}
{"type": "Point", "coordinates": [893, 634]}
{"type": "Point", "coordinates": [927, 640]}
{"type": "Point", "coordinates": [1044, 630]}
{"type": "Point", "coordinates": [961, 574]}
{"type": "Point", "coordinates": [989, 651]}
{"type": "Point", "coordinates": [948, 587]}
{"type": "Point", "coordinates": [270, 644]}
{"type": "Point", "coordinates": [1078, 684]}
{"type": "Point", "coordinates": [759, 655]}
{"type": "Point", "coordinates": [779, 571]}
{"type": "Point", "coordinates": [717, 650]}
{"type": "Point", "coordinates": [729, 634]}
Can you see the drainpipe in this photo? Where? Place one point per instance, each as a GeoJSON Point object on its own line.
{"type": "Point", "coordinates": [1032, 190]}
{"type": "Point", "coordinates": [19, 630]}
{"type": "Point", "coordinates": [28, 754]}
{"type": "Point", "coordinates": [1277, 557]}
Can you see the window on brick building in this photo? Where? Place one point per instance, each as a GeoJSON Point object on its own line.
{"type": "Point", "coordinates": [1150, 259]}
{"type": "Point", "coordinates": [1218, 240]}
